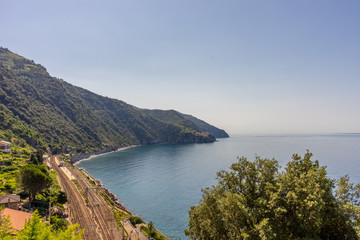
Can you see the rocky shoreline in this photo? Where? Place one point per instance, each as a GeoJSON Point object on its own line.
{"type": "Point", "coordinates": [106, 191]}
{"type": "Point", "coordinates": [76, 159]}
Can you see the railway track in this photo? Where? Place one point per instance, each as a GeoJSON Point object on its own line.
{"type": "Point", "coordinates": [103, 214]}
{"type": "Point", "coordinates": [79, 213]}
{"type": "Point", "coordinates": [94, 216]}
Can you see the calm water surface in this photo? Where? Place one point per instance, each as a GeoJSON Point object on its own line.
{"type": "Point", "coordinates": [160, 182]}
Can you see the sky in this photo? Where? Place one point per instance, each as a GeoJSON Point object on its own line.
{"type": "Point", "coordinates": [249, 67]}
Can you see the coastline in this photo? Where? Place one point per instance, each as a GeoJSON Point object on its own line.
{"type": "Point", "coordinates": [135, 231]}
{"type": "Point", "coordinates": [84, 157]}
{"type": "Point", "coordinates": [98, 183]}
{"type": "Point", "coordinates": [106, 191]}
{"type": "Point", "coordinates": [132, 231]}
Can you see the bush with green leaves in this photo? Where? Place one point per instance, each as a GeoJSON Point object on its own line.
{"type": "Point", "coordinates": [58, 224]}
{"type": "Point", "coordinates": [37, 158]}
{"type": "Point", "coordinates": [135, 220]}
{"type": "Point", "coordinates": [151, 232]}
{"type": "Point", "coordinates": [255, 200]}
{"type": "Point", "coordinates": [61, 197]}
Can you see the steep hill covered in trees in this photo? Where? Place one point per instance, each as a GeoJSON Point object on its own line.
{"type": "Point", "coordinates": [49, 112]}
{"type": "Point", "coordinates": [175, 117]}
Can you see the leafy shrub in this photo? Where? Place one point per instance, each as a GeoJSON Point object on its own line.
{"type": "Point", "coordinates": [151, 232]}
{"type": "Point", "coordinates": [62, 197]}
{"type": "Point", "coordinates": [135, 220]}
{"type": "Point", "coordinates": [7, 162]}
{"type": "Point", "coordinates": [58, 223]}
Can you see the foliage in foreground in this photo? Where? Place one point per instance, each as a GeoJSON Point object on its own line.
{"type": "Point", "coordinates": [37, 229]}
{"type": "Point", "coordinates": [254, 200]}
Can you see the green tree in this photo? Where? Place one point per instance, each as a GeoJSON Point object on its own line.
{"type": "Point", "coordinates": [62, 197]}
{"type": "Point", "coordinates": [135, 220]}
{"type": "Point", "coordinates": [255, 201]}
{"type": "Point", "coordinates": [58, 223]}
{"type": "Point", "coordinates": [152, 231]}
{"type": "Point", "coordinates": [34, 179]}
{"type": "Point", "coordinates": [37, 229]}
{"type": "Point", "coordinates": [5, 228]}
{"type": "Point", "coordinates": [37, 158]}
{"type": "Point", "coordinates": [70, 234]}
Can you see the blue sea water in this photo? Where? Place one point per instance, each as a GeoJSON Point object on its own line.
{"type": "Point", "coordinates": [160, 182]}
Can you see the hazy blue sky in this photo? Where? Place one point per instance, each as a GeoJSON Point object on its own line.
{"type": "Point", "coordinates": [260, 67]}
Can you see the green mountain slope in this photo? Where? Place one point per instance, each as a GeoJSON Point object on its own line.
{"type": "Point", "coordinates": [205, 127]}
{"type": "Point", "coordinates": [175, 117]}
{"type": "Point", "coordinates": [170, 116]}
{"type": "Point", "coordinates": [48, 112]}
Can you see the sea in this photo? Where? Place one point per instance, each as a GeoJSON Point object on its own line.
{"type": "Point", "coordinates": [160, 183]}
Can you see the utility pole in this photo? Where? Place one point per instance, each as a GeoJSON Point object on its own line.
{"type": "Point", "coordinates": [50, 208]}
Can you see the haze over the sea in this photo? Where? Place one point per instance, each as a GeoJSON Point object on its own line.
{"type": "Point", "coordinates": [244, 66]}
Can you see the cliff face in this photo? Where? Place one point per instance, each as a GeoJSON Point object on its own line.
{"type": "Point", "coordinates": [49, 112]}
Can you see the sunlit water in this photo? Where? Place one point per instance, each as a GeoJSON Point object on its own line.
{"type": "Point", "coordinates": [160, 182]}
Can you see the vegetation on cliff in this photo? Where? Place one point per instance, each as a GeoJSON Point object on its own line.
{"type": "Point", "coordinates": [175, 117]}
{"type": "Point", "coordinates": [48, 112]}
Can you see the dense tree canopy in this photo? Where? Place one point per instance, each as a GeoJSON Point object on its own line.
{"type": "Point", "coordinates": [37, 158]}
{"type": "Point", "coordinates": [254, 200]}
{"type": "Point", "coordinates": [34, 179]}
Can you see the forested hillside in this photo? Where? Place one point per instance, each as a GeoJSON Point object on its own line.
{"type": "Point", "coordinates": [49, 112]}
{"type": "Point", "coordinates": [175, 117]}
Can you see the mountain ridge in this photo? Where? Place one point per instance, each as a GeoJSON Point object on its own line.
{"type": "Point", "coordinates": [50, 113]}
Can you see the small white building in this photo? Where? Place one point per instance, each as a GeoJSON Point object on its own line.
{"type": "Point", "coordinates": [5, 146]}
